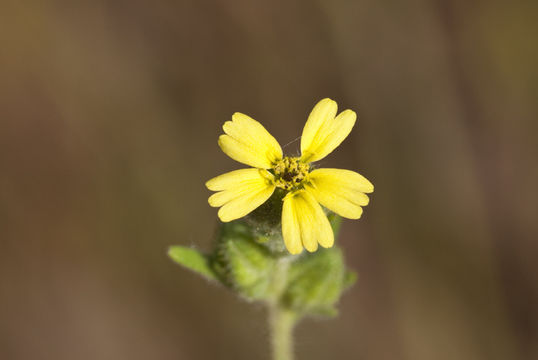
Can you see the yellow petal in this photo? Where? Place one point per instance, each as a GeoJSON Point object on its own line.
{"type": "Point", "coordinates": [324, 111]}
{"type": "Point", "coordinates": [341, 191]}
{"type": "Point", "coordinates": [245, 204]}
{"type": "Point", "coordinates": [291, 231]}
{"type": "Point", "coordinates": [248, 142]}
{"type": "Point", "coordinates": [323, 132]}
{"type": "Point", "coordinates": [240, 192]}
{"type": "Point", "coordinates": [304, 223]}
{"type": "Point", "coordinates": [236, 178]}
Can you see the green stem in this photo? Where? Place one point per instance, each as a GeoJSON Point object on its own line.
{"type": "Point", "coordinates": [282, 323]}
{"type": "Point", "coordinates": [281, 320]}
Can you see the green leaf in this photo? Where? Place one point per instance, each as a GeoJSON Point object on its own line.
{"type": "Point", "coordinates": [316, 282]}
{"type": "Point", "coordinates": [250, 266]}
{"type": "Point", "coordinates": [241, 262]}
{"type": "Point", "coordinates": [193, 260]}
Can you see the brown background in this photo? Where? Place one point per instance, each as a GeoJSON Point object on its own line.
{"type": "Point", "coordinates": [109, 116]}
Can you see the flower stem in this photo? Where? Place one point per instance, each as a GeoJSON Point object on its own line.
{"type": "Point", "coordinates": [282, 322]}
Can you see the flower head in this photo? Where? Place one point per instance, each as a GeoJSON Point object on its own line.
{"type": "Point", "coordinates": [304, 223]}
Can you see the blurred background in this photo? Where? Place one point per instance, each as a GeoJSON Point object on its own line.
{"type": "Point", "coordinates": [109, 118]}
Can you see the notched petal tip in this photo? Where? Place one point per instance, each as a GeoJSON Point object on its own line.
{"type": "Point", "coordinates": [324, 131]}
{"type": "Point", "coordinates": [238, 114]}
{"type": "Point", "coordinates": [211, 201]}
{"type": "Point", "coordinates": [348, 114]}
{"type": "Point", "coordinates": [354, 213]}
{"type": "Point", "coordinates": [326, 102]}
{"type": "Point", "coordinates": [210, 184]}
{"type": "Point", "coordinates": [225, 217]}
{"type": "Point", "coordinates": [304, 224]}
{"type": "Point", "coordinates": [341, 191]}
{"type": "Point", "coordinates": [222, 141]}
{"type": "Point", "coordinates": [294, 251]}
{"type": "Point", "coordinates": [248, 142]}
{"type": "Point", "coordinates": [310, 246]}
{"type": "Point", "coordinates": [226, 126]}
{"type": "Point", "coordinates": [328, 240]}
{"type": "Point", "coordinates": [327, 245]}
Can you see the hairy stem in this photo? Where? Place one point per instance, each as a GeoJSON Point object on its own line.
{"type": "Point", "coordinates": [282, 322]}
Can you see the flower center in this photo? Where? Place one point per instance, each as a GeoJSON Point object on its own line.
{"type": "Point", "coordinates": [290, 173]}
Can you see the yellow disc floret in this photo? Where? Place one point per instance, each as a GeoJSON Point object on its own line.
{"type": "Point", "coordinates": [290, 173]}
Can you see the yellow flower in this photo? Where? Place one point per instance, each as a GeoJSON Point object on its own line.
{"type": "Point", "coordinates": [304, 223]}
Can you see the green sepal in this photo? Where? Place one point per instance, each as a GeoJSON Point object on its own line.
{"type": "Point", "coordinates": [242, 263]}
{"type": "Point", "coordinates": [316, 282]}
{"type": "Point", "coordinates": [193, 260]}
{"type": "Point", "coordinates": [265, 224]}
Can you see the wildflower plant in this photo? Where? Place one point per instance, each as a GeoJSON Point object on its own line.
{"type": "Point", "coordinates": [273, 210]}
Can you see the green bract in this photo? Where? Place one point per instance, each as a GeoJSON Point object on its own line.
{"type": "Point", "coordinates": [249, 259]}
